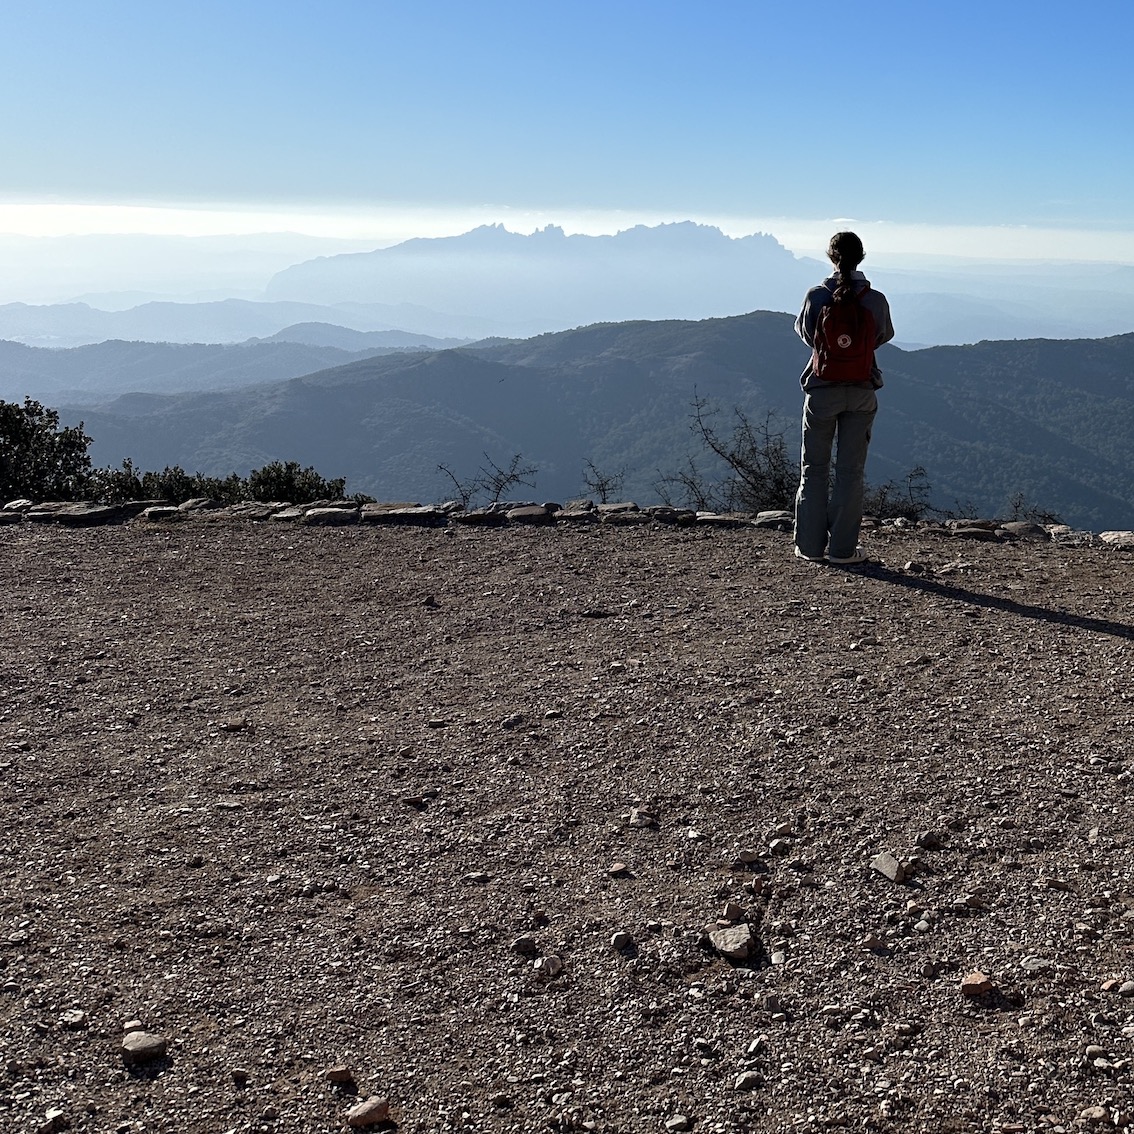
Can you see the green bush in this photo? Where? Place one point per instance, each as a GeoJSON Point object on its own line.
{"type": "Point", "coordinates": [177, 486]}
{"type": "Point", "coordinates": [114, 486]}
{"type": "Point", "coordinates": [38, 460]}
{"type": "Point", "coordinates": [287, 481]}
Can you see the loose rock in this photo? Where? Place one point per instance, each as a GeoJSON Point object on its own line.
{"type": "Point", "coordinates": [369, 1113]}
{"type": "Point", "coordinates": [734, 942]}
{"type": "Point", "coordinates": [143, 1047]}
{"type": "Point", "coordinates": [976, 984]}
{"type": "Point", "coordinates": [888, 866]}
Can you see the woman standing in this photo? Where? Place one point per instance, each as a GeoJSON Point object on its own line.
{"type": "Point", "coordinates": [843, 320]}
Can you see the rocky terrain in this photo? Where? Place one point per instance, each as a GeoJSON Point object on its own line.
{"type": "Point", "coordinates": [562, 828]}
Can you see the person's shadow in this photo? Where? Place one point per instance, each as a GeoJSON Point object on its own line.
{"type": "Point", "coordinates": [995, 602]}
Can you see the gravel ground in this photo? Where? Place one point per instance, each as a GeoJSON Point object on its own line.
{"type": "Point", "coordinates": [447, 817]}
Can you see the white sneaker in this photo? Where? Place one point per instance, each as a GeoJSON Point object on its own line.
{"type": "Point", "coordinates": [859, 556]}
{"type": "Point", "coordinates": [810, 558]}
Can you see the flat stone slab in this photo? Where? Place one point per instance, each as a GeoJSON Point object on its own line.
{"type": "Point", "coordinates": [414, 514]}
{"type": "Point", "coordinates": [530, 514]}
{"type": "Point", "coordinates": [986, 535]}
{"type": "Point", "coordinates": [76, 515]}
{"type": "Point", "coordinates": [779, 521]}
{"type": "Point", "coordinates": [481, 517]}
{"type": "Point", "coordinates": [166, 513]}
{"type": "Point", "coordinates": [1026, 529]}
{"type": "Point", "coordinates": [329, 517]}
{"type": "Point", "coordinates": [245, 510]}
{"type": "Point", "coordinates": [1124, 540]}
{"type": "Point", "coordinates": [723, 520]}
{"type": "Point", "coordinates": [664, 514]}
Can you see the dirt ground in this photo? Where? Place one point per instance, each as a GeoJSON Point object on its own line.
{"type": "Point", "coordinates": [456, 809]}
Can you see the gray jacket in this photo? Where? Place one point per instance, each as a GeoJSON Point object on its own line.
{"type": "Point", "coordinates": [818, 298]}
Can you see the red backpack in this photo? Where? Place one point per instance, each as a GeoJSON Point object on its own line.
{"type": "Point", "coordinates": [844, 341]}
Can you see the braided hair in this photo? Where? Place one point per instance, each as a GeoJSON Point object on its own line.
{"type": "Point", "coordinates": [845, 251]}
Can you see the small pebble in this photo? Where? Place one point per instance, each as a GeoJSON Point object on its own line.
{"type": "Point", "coordinates": [549, 966]}
{"type": "Point", "coordinates": [976, 984]}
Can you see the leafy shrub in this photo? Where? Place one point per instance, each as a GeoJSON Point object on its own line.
{"type": "Point", "coordinates": [177, 486]}
{"type": "Point", "coordinates": [38, 460]}
{"type": "Point", "coordinates": [287, 481]}
{"type": "Point", "coordinates": [114, 486]}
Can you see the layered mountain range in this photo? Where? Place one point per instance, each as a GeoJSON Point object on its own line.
{"type": "Point", "coordinates": [1051, 421]}
{"type": "Point", "coordinates": [364, 365]}
{"type": "Point", "coordinates": [106, 369]}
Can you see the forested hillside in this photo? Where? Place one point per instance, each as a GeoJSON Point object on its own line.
{"type": "Point", "coordinates": [1051, 422]}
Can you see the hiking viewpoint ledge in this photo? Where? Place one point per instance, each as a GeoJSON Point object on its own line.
{"type": "Point", "coordinates": [584, 827]}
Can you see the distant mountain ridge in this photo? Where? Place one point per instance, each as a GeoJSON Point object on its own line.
{"type": "Point", "coordinates": [223, 321]}
{"type": "Point", "coordinates": [346, 338]}
{"type": "Point", "coordinates": [549, 281]}
{"type": "Point", "coordinates": [1052, 420]}
{"type": "Point", "coordinates": [552, 281]}
{"type": "Point", "coordinates": [96, 372]}
{"type": "Point", "coordinates": [100, 371]}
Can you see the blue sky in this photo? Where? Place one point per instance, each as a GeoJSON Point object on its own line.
{"type": "Point", "coordinates": [929, 118]}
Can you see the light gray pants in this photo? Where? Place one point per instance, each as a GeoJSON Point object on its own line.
{"type": "Point", "coordinates": [829, 524]}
